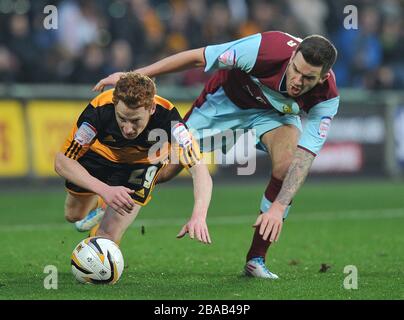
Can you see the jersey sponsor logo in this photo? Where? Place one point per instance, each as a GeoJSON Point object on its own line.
{"type": "Point", "coordinates": [228, 58]}
{"type": "Point", "coordinates": [85, 134]}
{"type": "Point", "coordinates": [325, 124]}
{"type": "Point", "coordinates": [182, 135]}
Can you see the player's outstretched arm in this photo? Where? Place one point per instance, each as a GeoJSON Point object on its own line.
{"type": "Point", "coordinates": [196, 226]}
{"type": "Point", "coordinates": [181, 61]}
{"type": "Point", "coordinates": [270, 223]}
{"type": "Point", "coordinates": [118, 198]}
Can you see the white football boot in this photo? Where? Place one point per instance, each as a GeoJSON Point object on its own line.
{"type": "Point", "coordinates": [256, 267]}
{"type": "Point", "coordinates": [93, 218]}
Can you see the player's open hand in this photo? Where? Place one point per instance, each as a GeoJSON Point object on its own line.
{"type": "Point", "coordinates": [111, 80]}
{"type": "Point", "coordinates": [270, 224]}
{"type": "Point", "coordinates": [196, 227]}
{"type": "Point", "coordinates": [119, 199]}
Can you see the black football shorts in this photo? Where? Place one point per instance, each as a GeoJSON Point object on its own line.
{"type": "Point", "coordinates": [140, 177]}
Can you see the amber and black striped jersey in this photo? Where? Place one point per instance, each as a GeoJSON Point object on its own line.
{"type": "Point", "coordinates": [97, 130]}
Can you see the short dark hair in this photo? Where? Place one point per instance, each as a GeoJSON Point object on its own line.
{"type": "Point", "coordinates": [318, 51]}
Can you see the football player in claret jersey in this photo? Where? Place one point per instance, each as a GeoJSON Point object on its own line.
{"type": "Point", "coordinates": [116, 151]}
{"type": "Point", "coordinates": [264, 82]}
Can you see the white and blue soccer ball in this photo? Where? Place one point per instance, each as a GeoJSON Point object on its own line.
{"type": "Point", "coordinates": [97, 260]}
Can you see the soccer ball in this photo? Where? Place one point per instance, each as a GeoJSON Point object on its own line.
{"type": "Point", "coordinates": [97, 260]}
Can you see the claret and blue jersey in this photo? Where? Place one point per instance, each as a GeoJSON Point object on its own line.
{"type": "Point", "coordinates": [250, 84]}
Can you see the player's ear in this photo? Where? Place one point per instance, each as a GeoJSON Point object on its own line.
{"type": "Point", "coordinates": [324, 78]}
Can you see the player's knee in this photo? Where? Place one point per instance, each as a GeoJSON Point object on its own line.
{"type": "Point", "coordinates": [168, 173]}
{"type": "Point", "coordinates": [72, 216]}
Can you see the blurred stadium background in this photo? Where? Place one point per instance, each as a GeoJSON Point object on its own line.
{"type": "Point", "coordinates": [355, 190]}
{"type": "Point", "coordinates": [47, 75]}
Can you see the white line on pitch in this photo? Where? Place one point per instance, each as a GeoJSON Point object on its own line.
{"type": "Point", "coordinates": [368, 214]}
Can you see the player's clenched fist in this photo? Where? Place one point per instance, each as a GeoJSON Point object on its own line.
{"type": "Point", "coordinates": [196, 227]}
{"type": "Point", "coordinates": [119, 199]}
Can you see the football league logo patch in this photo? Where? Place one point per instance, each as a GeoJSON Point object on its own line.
{"type": "Point", "coordinates": [85, 134]}
{"type": "Point", "coordinates": [325, 124]}
{"type": "Point", "coordinates": [181, 135]}
{"type": "Point", "coordinates": [228, 58]}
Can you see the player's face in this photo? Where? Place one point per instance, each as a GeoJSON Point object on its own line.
{"type": "Point", "coordinates": [302, 76]}
{"type": "Point", "coordinates": [132, 122]}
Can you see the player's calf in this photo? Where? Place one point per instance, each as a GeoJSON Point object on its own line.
{"type": "Point", "coordinates": [113, 225]}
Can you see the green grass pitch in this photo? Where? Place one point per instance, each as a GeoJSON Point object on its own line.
{"type": "Point", "coordinates": [337, 224]}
